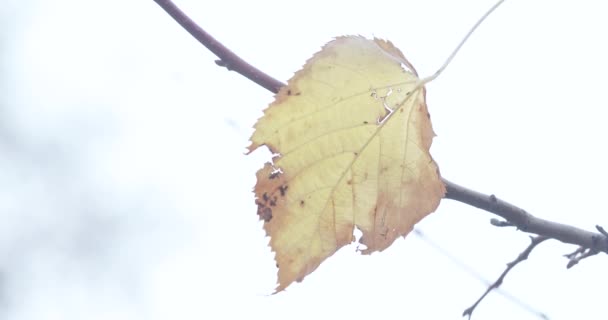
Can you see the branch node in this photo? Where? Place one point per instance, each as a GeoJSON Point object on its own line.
{"type": "Point", "coordinates": [579, 254]}
{"type": "Point", "coordinates": [602, 230]}
{"type": "Point", "coordinates": [501, 223]}
{"type": "Point", "coordinates": [493, 198]}
{"type": "Point", "coordinates": [223, 63]}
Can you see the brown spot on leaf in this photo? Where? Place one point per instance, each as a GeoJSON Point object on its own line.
{"type": "Point", "coordinates": [288, 92]}
{"type": "Point", "coordinates": [283, 189]}
{"type": "Point", "coordinates": [266, 214]}
{"type": "Point", "coordinates": [274, 175]}
{"type": "Point", "coordinates": [365, 122]}
{"type": "Point", "coordinates": [301, 203]}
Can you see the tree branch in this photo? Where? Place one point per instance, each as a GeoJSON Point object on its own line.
{"type": "Point", "coordinates": [227, 59]}
{"type": "Point", "coordinates": [526, 222]}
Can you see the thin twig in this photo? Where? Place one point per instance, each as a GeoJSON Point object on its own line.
{"type": "Point", "coordinates": [579, 254]}
{"type": "Point", "coordinates": [602, 230]}
{"type": "Point", "coordinates": [462, 42]}
{"type": "Point", "coordinates": [476, 275]}
{"type": "Point", "coordinates": [227, 58]}
{"type": "Point", "coordinates": [521, 257]}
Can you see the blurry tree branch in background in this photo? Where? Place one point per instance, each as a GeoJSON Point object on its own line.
{"type": "Point", "coordinates": [589, 243]}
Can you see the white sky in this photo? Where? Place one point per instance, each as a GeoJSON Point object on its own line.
{"type": "Point", "coordinates": [125, 193]}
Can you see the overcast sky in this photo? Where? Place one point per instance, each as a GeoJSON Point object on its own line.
{"type": "Point", "coordinates": [125, 192]}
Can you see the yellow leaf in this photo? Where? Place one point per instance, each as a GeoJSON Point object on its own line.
{"type": "Point", "coordinates": [351, 136]}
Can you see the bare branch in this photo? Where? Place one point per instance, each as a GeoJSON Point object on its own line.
{"type": "Point", "coordinates": [518, 302]}
{"type": "Point", "coordinates": [526, 222]}
{"type": "Point", "coordinates": [602, 230]}
{"type": "Point", "coordinates": [579, 254]}
{"type": "Point", "coordinates": [521, 257]}
{"type": "Point", "coordinates": [227, 58]}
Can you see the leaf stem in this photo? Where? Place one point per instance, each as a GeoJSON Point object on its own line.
{"type": "Point", "coordinates": [462, 42]}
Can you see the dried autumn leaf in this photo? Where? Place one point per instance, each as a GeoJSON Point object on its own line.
{"type": "Point", "coordinates": [351, 137]}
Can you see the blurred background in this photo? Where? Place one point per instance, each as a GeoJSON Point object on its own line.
{"type": "Point", "coordinates": [125, 192]}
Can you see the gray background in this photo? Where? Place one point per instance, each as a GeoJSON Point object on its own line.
{"type": "Point", "coordinates": [125, 194]}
